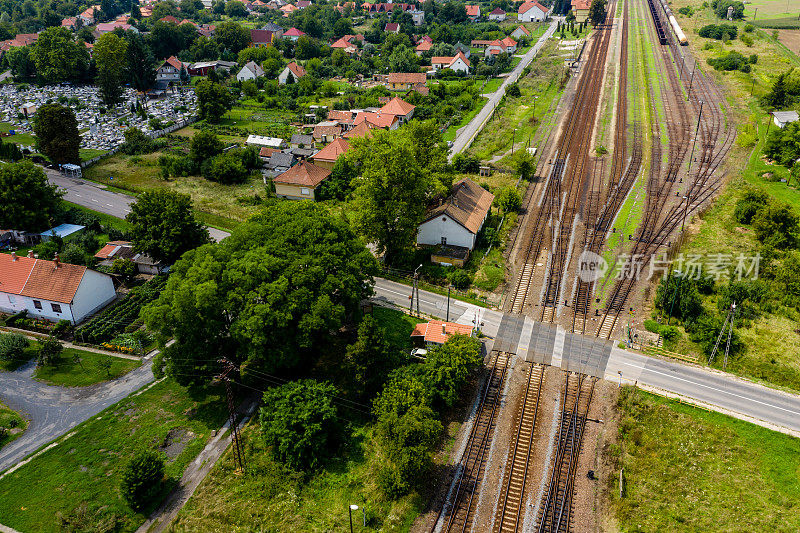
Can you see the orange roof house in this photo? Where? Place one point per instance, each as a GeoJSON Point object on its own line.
{"type": "Point", "coordinates": [327, 157]}
{"type": "Point", "coordinates": [399, 108]}
{"type": "Point", "coordinates": [438, 331]}
{"type": "Point", "coordinates": [300, 182]}
{"type": "Point", "coordinates": [459, 219]}
{"type": "Point", "coordinates": [364, 129]}
{"type": "Point", "coordinates": [52, 290]}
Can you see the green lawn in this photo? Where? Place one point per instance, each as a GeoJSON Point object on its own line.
{"type": "Point", "coordinates": [25, 139]}
{"type": "Point", "coordinates": [107, 220]}
{"type": "Point", "coordinates": [12, 423]}
{"type": "Point", "coordinates": [450, 134]}
{"type": "Point", "coordinates": [397, 326]}
{"type": "Point", "coordinates": [90, 153]}
{"type": "Point", "coordinates": [79, 368]}
{"type": "Point", "coordinates": [687, 469]}
{"type": "Point", "coordinates": [83, 472]}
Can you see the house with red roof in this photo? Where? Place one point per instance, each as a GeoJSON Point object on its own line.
{"type": "Point", "coordinates": [170, 19]}
{"type": "Point", "coordinates": [327, 157]}
{"type": "Point", "coordinates": [392, 27]}
{"type": "Point", "coordinates": [52, 290]}
{"type": "Point", "coordinates": [405, 81]}
{"type": "Point", "coordinates": [87, 15]}
{"type": "Point", "coordinates": [288, 9]}
{"type": "Point", "coordinates": [457, 63]}
{"type": "Point", "coordinates": [364, 129]}
{"type": "Point", "coordinates": [520, 32]}
{"type": "Point", "coordinates": [21, 39]}
{"type": "Point", "coordinates": [302, 4]}
{"type": "Point", "coordinates": [473, 12]}
{"type": "Point", "coordinates": [386, 121]}
{"type": "Point", "coordinates": [108, 27]}
{"type": "Point", "coordinates": [293, 33]}
{"type": "Point", "coordinates": [399, 108]}
{"type": "Point", "coordinates": [507, 45]}
{"type": "Point", "coordinates": [532, 12]}
{"type": "Point", "coordinates": [69, 22]}
{"type": "Point", "coordinates": [261, 38]}
{"type": "Point", "coordinates": [497, 15]}
{"type": "Point", "coordinates": [436, 332]}
{"type": "Point", "coordinates": [169, 70]}
{"type": "Point", "coordinates": [422, 47]}
{"type": "Point", "coordinates": [581, 9]}
{"type": "Point", "coordinates": [300, 182]}
{"type": "Point", "coordinates": [294, 69]}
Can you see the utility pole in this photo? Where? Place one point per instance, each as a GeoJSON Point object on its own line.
{"type": "Point", "coordinates": [415, 289]}
{"type": "Point", "coordinates": [696, 131]}
{"type": "Point", "coordinates": [725, 325]}
{"type": "Point", "coordinates": [448, 303]}
{"type": "Point", "coordinates": [229, 368]}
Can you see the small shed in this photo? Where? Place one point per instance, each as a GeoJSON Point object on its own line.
{"type": "Point", "coordinates": [782, 118]}
{"type": "Point", "coordinates": [436, 332]}
{"type": "Point", "coordinates": [260, 140]}
{"type": "Point", "coordinates": [63, 231]}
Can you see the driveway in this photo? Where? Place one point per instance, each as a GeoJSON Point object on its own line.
{"type": "Point", "coordinates": [53, 411]}
{"type": "Point", "coordinates": [97, 198]}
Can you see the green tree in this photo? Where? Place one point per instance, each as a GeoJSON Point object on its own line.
{"type": "Point", "coordinates": [49, 351]}
{"type": "Point", "coordinates": [392, 192]}
{"type": "Point", "coordinates": [109, 55]}
{"type": "Point", "coordinates": [213, 99]}
{"type": "Point", "coordinates": [783, 144]}
{"type": "Point", "coordinates": [57, 57]}
{"type": "Point", "coordinates": [776, 225]}
{"type": "Point", "coordinates": [448, 366]}
{"type": "Point", "coordinates": [57, 134]}
{"type": "Point", "coordinates": [597, 12]}
{"type": "Point", "coordinates": [141, 480]}
{"type": "Point", "coordinates": [751, 202]}
{"type": "Point", "coordinates": [235, 9]}
{"type": "Point", "coordinates": [508, 200]}
{"type": "Point", "coordinates": [141, 66]}
{"type": "Point", "coordinates": [205, 145]}
{"type": "Point", "coordinates": [679, 297]}
{"type": "Point", "coordinates": [403, 59]}
{"type": "Point", "coordinates": [232, 36]}
{"type": "Point", "coordinates": [12, 346]}
{"type": "Point", "coordinates": [204, 49]}
{"type": "Point", "coordinates": [29, 201]}
{"type": "Point", "coordinates": [163, 225]}
{"type": "Point", "coordinates": [368, 361]}
{"type": "Point", "coordinates": [298, 420]}
{"type": "Point", "coordinates": [20, 59]}
{"type": "Point", "coordinates": [269, 296]}
{"type": "Point", "coordinates": [137, 142]}
{"type": "Point", "coordinates": [225, 168]}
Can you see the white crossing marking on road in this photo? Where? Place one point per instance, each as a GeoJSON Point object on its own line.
{"type": "Point", "coordinates": [558, 348]}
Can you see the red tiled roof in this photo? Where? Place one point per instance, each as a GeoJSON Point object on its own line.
{"type": "Point", "coordinates": [523, 28]}
{"type": "Point", "coordinates": [376, 119]}
{"type": "Point", "coordinates": [266, 151]}
{"type": "Point", "coordinates": [397, 106]}
{"type": "Point", "coordinates": [320, 131]}
{"type": "Point", "coordinates": [296, 70]}
{"type": "Point", "coordinates": [69, 22]}
{"type": "Point", "coordinates": [261, 36]}
{"type": "Point", "coordinates": [341, 116]}
{"type": "Point", "coordinates": [437, 331]}
{"type": "Point", "coordinates": [293, 32]}
{"type": "Point", "coordinates": [497, 11]}
{"type": "Point", "coordinates": [305, 174]}
{"type": "Point", "coordinates": [169, 18]}
{"type": "Point", "coordinates": [473, 11]}
{"type": "Point", "coordinates": [581, 4]}
{"type": "Point", "coordinates": [413, 78]}
{"type": "Point", "coordinates": [38, 278]}
{"type": "Point", "coordinates": [364, 129]}
{"type": "Point", "coordinates": [391, 26]}
{"type": "Point", "coordinates": [524, 8]}
{"type": "Point", "coordinates": [107, 250]}
{"type": "Point", "coordinates": [173, 62]}
{"type": "Point", "coordinates": [424, 46]}
{"type": "Point", "coordinates": [14, 274]}
{"type": "Point", "coordinates": [332, 151]}
{"type": "Point", "coordinates": [450, 60]}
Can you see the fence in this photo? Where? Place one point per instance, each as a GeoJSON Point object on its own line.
{"type": "Point", "coordinates": [153, 135]}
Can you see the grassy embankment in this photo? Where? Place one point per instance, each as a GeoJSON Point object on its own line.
{"type": "Point", "coordinates": [688, 469]}
{"type": "Point", "coordinates": [79, 479]}
{"type": "Point", "coordinates": [772, 344]}
{"type": "Point", "coordinates": [273, 497]}
{"type": "Point", "coordinates": [12, 422]}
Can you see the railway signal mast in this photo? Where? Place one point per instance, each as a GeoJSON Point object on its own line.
{"type": "Point", "coordinates": [728, 324]}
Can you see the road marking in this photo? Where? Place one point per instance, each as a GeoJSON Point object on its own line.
{"type": "Point", "coordinates": [712, 388]}
{"type": "Point", "coordinates": [109, 205]}
{"type": "Point", "coordinates": [95, 201]}
{"type": "Point", "coordinates": [78, 195]}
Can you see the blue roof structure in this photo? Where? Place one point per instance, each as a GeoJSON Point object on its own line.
{"type": "Point", "coordinates": [64, 230]}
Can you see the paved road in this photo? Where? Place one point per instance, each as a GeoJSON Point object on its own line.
{"type": "Point", "coordinates": [544, 343]}
{"type": "Point", "coordinates": [465, 137]}
{"type": "Point", "coordinates": [54, 411]}
{"type": "Point", "coordinates": [96, 198]}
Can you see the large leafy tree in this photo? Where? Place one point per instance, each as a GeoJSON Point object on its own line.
{"type": "Point", "coordinates": [232, 36]}
{"type": "Point", "coordinates": [268, 297]}
{"type": "Point", "coordinates": [57, 57]}
{"type": "Point", "coordinates": [57, 134]}
{"type": "Point", "coordinates": [140, 62]}
{"type": "Point", "coordinates": [213, 100]}
{"type": "Point", "coordinates": [163, 225]}
{"type": "Point", "coordinates": [110, 56]}
{"type": "Point", "coordinates": [298, 420]}
{"type": "Point", "coordinates": [448, 366]}
{"type": "Point", "coordinates": [597, 12]}
{"type": "Point", "coordinates": [369, 360]}
{"type": "Point", "coordinates": [398, 179]}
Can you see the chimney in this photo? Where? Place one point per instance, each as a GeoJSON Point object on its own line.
{"type": "Point", "coordinates": [30, 253]}
{"type": "Point", "coordinates": [13, 256]}
{"type": "Point", "coordinates": [55, 260]}
{"type": "Point", "coordinates": [444, 328]}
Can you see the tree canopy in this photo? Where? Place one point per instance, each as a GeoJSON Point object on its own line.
{"type": "Point", "coordinates": [29, 201]}
{"type": "Point", "coordinates": [268, 297]}
{"type": "Point", "coordinates": [163, 225]}
{"type": "Point", "coordinates": [57, 136]}
{"type": "Point", "coordinates": [109, 54]}
{"type": "Point", "coordinates": [213, 100]}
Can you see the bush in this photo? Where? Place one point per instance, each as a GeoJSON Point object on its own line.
{"type": "Point", "coordinates": [12, 346]}
{"type": "Point", "coordinates": [61, 328]}
{"type": "Point", "coordinates": [508, 200]}
{"type": "Point", "coordinates": [225, 168]}
{"type": "Point", "coordinates": [49, 351]}
{"type": "Point", "coordinates": [749, 28]}
{"type": "Point", "coordinates": [687, 11]}
{"type": "Point", "coordinates": [721, 8]}
{"type": "Point", "coordinates": [460, 279]}
{"type": "Point", "coordinates": [731, 61]}
{"type": "Point", "coordinates": [513, 90]}
{"type": "Point", "coordinates": [141, 480]}
{"type": "Point", "coordinates": [137, 142]}
{"type": "Point", "coordinates": [466, 163]}
{"type": "Point", "coordinates": [749, 204]}
{"type": "Point", "coordinates": [718, 31]}
{"type": "Point", "coordinates": [747, 40]}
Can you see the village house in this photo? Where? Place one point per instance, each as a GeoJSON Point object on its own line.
{"type": "Point", "coordinates": [292, 69]}
{"type": "Point", "coordinates": [261, 38]}
{"type": "Point", "coordinates": [299, 140]}
{"type": "Point", "coordinates": [327, 131]}
{"type": "Point", "coordinates": [392, 27]}
{"type": "Point", "coordinates": [293, 34]}
{"type": "Point", "coordinates": [417, 17]}
{"type": "Point", "coordinates": [276, 30]}
{"type": "Point", "coordinates": [457, 63]}
{"type": "Point", "coordinates": [520, 32]}
{"type": "Point", "coordinates": [399, 108]}
{"type": "Point", "coordinates": [459, 219]}
{"type": "Point", "coordinates": [532, 12]}
{"type": "Point", "coordinates": [362, 130]}
{"type": "Point", "coordinates": [581, 9]}
{"type": "Point", "coordinates": [507, 45]}
{"type": "Point", "coordinates": [169, 70]}
{"type": "Point", "coordinates": [69, 22]}
{"type": "Point", "coordinates": [300, 182]}
{"type": "Point", "coordinates": [473, 12]}
{"type": "Point", "coordinates": [405, 81]}
{"type": "Point", "coordinates": [287, 10]}
{"type": "Point", "coordinates": [281, 161]}
{"type": "Point", "coordinates": [497, 15]}
{"type": "Point", "coordinates": [422, 47]}
{"type": "Point", "coordinates": [202, 68]}
{"type": "Point", "coordinates": [88, 14]}
{"type": "Point", "coordinates": [52, 290]}
{"type": "Point", "coordinates": [327, 157]}
{"type": "Point", "coordinates": [124, 250]}
{"type": "Point", "coordinates": [250, 71]}
{"type": "Point", "coordinates": [436, 332]}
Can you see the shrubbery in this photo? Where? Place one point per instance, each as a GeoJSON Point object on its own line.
{"type": "Point", "coordinates": [731, 61]}
{"type": "Point", "coordinates": [718, 31]}
{"type": "Point", "coordinates": [12, 346]}
{"type": "Point", "coordinates": [141, 480]}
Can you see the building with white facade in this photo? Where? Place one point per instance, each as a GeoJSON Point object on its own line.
{"type": "Point", "coordinates": [459, 219]}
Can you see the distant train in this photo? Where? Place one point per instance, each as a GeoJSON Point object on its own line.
{"type": "Point", "coordinates": [674, 23]}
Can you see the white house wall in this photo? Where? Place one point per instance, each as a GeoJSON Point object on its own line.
{"type": "Point", "coordinates": [432, 231]}
{"type": "Point", "coordinates": [95, 291]}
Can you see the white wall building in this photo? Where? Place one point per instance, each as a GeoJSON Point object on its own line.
{"type": "Point", "coordinates": [532, 12]}
{"type": "Point", "coordinates": [52, 290]}
{"type": "Point", "coordinates": [250, 71]}
{"type": "Point", "coordinates": [457, 221]}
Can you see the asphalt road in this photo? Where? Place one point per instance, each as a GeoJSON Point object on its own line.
{"type": "Point", "coordinates": [54, 411]}
{"type": "Point", "coordinates": [465, 137]}
{"type": "Point", "coordinates": [710, 388]}
{"type": "Point", "coordinates": [88, 194]}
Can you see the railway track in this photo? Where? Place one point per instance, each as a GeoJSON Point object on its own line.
{"type": "Point", "coordinates": [555, 511]}
{"type": "Point", "coordinates": [458, 513]}
{"type": "Point", "coordinates": [510, 514]}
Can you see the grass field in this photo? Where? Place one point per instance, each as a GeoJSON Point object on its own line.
{"type": "Point", "coordinates": [397, 327]}
{"type": "Point", "coordinates": [79, 368]}
{"type": "Point", "coordinates": [85, 470]}
{"type": "Point", "coordinates": [687, 469]}
{"type": "Point", "coordinates": [13, 424]}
